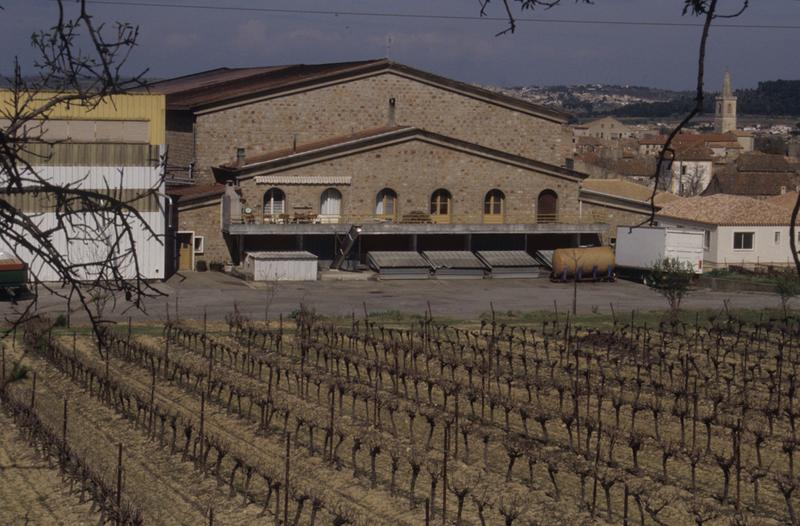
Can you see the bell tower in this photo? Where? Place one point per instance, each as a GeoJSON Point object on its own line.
{"type": "Point", "coordinates": [725, 119]}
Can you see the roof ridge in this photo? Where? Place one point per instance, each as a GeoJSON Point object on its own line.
{"type": "Point", "coordinates": [288, 155]}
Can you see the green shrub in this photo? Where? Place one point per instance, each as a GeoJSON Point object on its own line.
{"type": "Point", "coordinates": [201, 265]}
{"type": "Point", "coordinates": [671, 278]}
{"type": "Point", "coordinates": [787, 285]}
{"type": "Point", "coordinates": [61, 321]}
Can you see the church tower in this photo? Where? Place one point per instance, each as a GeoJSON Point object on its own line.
{"type": "Point", "coordinates": [725, 120]}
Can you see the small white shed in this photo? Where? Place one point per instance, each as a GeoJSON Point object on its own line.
{"type": "Point", "coordinates": [281, 266]}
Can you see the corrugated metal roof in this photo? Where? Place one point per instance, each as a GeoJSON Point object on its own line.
{"type": "Point", "coordinates": [507, 258]}
{"type": "Point", "coordinates": [388, 259]}
{"type": "Point", "coordinates": [304, 179]}
{"type": "Point", "coordinates": [545, 257]}
{"type": "Point", "coordinates": [93, 154]}
{"type": "Point", "coordinates": [283, 255]}
{"type": "Point", "coordinates": [221, 85]}
{"type": "Point", "coordinates": [453, 259]}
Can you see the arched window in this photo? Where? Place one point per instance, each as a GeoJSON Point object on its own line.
{"type": "Point", "coordinates": [441, 205]}
{"type": "Point", "coordinates": [386, 204]}
{"type": "Point", "coordinates": [330, 205]}
{"type": "Point", "coordinates": [274, 202]}
{"type": "Point", "coordinates": [494, 206]}
{"type": "Point", "coordinates": [547, 207]}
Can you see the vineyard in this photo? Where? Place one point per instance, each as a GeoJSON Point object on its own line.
{"type": "Point", "coordinates": [311, 422]}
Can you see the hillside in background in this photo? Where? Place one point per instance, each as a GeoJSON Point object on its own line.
{"type": "Point", "coordinates": [770, 98]}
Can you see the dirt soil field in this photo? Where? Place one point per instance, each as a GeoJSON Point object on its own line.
{"type": "Point", "coordinates": [485, 424]}
{"type": "Point", "coordinates": [31, 489]}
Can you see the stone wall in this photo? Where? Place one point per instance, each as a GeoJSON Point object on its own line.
{"type": "Point", "coordinates": [180, 138]}
{"type": "Point", "coordinates": [611, 216]}
{"type": "Point", "coordinates": [363, 103]}
{"type": "Point", "coordinates": [204, 219]}
{"type": "Point", "coordinates": [414, 170]}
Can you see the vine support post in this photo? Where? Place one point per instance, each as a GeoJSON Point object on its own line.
{"type": "Point", "coordinates": [64, 424]}
{"type": "Point", "coordinates": [625, 507]}
{"type": "Point", "coordinates": [119, 483]}
{"type": "Point", "coordinates": [444, 473]}
{"type": "Point", "coordinates": [152, 425]}
{"type": "Point", "coordinates": [202, 429]}
{"type": "Point", "coordinates": [33, 392]}
{"type": "Point", "coordinates": [427, 512]}
{"type": "Point", "coordinates": [333, 409]}
{"type": "Point", "coordinates": [455, 443]}
{"type": "Point", "coordinates": [205, 320]}
{"type": "Point", "coordinates": [286, 480]}
{"type": "Point", "coordinates": [3, 370]}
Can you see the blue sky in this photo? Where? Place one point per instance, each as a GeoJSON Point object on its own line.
{"type": "Point", "coordinates": [179, 41]}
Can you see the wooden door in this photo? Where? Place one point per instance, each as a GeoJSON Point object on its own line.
{"type": "Point", "coordinates": [547, 207]}
{"type": "Point", "coordinates": [185, 249]}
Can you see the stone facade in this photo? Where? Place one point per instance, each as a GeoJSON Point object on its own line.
{"type": "Point", "coordinates": [204, 219]}
{"type": "Point", "coordinates": [612, 216]}
{"type": "Point", "coordinates": [357, 104]}
{"type": "Point", "coordinates": [414, 170]}
{"type": "Point", "coordinates": [180, 138]}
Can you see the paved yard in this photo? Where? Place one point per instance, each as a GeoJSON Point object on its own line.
{"type": "Point", "coordinates": [217, 293]}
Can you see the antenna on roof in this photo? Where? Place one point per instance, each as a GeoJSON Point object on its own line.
{"type": "Point", "coordinates": [388, 47]}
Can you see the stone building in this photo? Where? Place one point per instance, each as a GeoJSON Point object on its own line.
{"type": "Point", "coordinates": [307, 157]}
{"type": "Point", "coordinates": [756, 174]}
{"type": "Point", "coordinates": [605, 128]}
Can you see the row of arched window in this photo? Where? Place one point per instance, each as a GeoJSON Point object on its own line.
{"type": "Point", "coordinates": [441, 204]}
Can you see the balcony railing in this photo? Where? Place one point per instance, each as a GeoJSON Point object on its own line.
{"type": "Point", "coordinates": [309, 217]}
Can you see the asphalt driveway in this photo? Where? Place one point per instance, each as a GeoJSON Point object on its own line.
{"type": "Point", "coordinates": [216, 294]}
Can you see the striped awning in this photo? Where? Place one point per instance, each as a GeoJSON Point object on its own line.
{"type": "Point", "coordinates": [304, 179]}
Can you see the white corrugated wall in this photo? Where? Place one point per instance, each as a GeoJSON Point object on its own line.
{"type": "Point", "coordinates": [149, 246]}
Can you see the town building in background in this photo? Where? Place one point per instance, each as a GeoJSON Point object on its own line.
{"type": "Point", "coordinates": [739, 231]}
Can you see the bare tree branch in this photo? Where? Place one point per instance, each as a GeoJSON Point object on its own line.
{"type": "Point", "coordinates": [523, 5]}
{"type": "Point", "coordinates": [89, 237]}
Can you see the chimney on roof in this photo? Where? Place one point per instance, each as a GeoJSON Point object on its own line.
{"type": "Point", "coordinates": [240, 154]}
{"type": "Point", "coordinates": [392, 104]}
